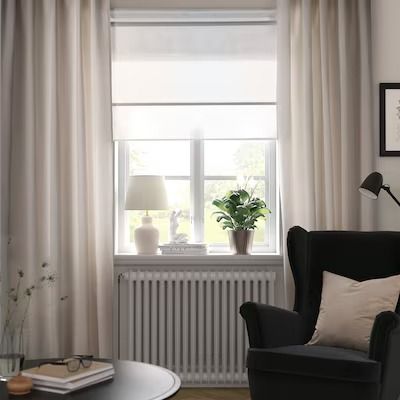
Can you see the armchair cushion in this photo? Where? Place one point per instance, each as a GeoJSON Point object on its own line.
{"type": "Point", "coordinates": [316, 361]}
{"type": "Point", "coordinates": [348, 309]}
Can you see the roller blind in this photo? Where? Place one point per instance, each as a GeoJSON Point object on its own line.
{"type": "Point", "coordinates": [192, 4]}
{"type": "Point", "coordinates": [185, 79]}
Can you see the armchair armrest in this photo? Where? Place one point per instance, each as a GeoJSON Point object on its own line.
{"type": "Point", "coordinates": [385, 333]}
{"type": "Point", "coordinates": [269, 326]}
{"type": "Point", "coordinates": [384, 347]}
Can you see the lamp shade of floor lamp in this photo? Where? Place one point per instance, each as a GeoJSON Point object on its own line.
{"type": "Point", "coordinates": [372, 186]}
{"type": "Point", "coordinates": [146, 192]}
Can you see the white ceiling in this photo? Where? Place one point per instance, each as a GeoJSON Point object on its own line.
{"type": "Point", "coordinates": [194, 4]}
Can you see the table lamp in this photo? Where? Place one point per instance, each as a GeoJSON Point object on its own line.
{"type": "Point", "coordinates": [373, 184]}
{"type": "Point", "coordinates": [146, 192]}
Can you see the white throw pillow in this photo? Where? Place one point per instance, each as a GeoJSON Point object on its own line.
{"type": "Point", "coordinates": [348, 309]}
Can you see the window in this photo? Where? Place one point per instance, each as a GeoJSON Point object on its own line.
{"type": "Point", "coordinates": [194, 100]}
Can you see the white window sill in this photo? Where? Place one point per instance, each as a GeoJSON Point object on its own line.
{"type": "Point", "coordinates": [123, 259]}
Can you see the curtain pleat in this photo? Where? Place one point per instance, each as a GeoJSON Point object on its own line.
{"type": "Point", "coordinates": [324, 115]}
{"type": "Point", "coordinates": [60, 188]}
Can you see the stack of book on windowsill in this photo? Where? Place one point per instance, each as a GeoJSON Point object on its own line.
{"type": "Point", "coordinates": [196, 249]}
{"type": "Point", "coordinates": [57, 379]}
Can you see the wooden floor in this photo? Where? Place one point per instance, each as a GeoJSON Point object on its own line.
{"type": "Point", "coordinates": [212, 394]}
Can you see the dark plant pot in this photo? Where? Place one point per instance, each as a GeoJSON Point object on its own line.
{"type": "Point", "coordinates": [241, 242]}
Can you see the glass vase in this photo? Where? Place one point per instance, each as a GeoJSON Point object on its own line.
{"type": "Point", "coordinates": [11, 352]}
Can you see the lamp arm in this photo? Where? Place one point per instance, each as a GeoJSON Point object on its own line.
{"type": "Point", "coordinates": [386, 188]}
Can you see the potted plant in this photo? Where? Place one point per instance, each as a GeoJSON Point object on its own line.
{"type": "Point", "coordinates": [239, 212]}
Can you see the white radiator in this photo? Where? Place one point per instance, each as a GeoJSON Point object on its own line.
{"type": "Point", "coordinates": [189, 322]}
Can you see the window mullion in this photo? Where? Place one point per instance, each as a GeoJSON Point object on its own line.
{"type": "Point", "coordinates": [122, 175]}
{"type": "Point", "coordinates": [197, 189]}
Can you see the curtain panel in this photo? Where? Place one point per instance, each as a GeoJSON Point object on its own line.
{"type": "Point", "coordinates": [56, 123]}
{"type": "Point", "coordinates": [4, 154]}
{"type": "Point", "coordinates": [324, 115]}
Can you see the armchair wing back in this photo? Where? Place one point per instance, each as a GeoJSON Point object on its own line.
{"type": "Point", "coordinates": [356, 255]}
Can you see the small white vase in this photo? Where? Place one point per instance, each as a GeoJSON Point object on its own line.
{"type": "Point", "coordinates": [146, 237]}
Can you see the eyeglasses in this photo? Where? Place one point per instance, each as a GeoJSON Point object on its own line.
{"type": "Point", "coordinates": [73, 363]}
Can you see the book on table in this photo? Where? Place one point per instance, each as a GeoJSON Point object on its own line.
{"type": "Point", "coordinates": [57, 378]}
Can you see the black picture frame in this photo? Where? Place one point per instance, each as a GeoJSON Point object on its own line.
{"type": "Point", "coordinates": [389, 96]}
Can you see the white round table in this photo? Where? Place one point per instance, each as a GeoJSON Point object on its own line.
{"type": "Point", "coordinates": [147, 381]}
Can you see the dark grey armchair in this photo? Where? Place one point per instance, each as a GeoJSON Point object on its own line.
{"type": "Point", "coordinates": [281, 367]}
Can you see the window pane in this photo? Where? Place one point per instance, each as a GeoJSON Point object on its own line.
{"type": "Point", "coordinates": [215, 189]}
{"type": "Point", "coordinates": [234, 158]}
{"type": "Point", "coordinates": [159, 158]}
{"type": "Point", "coordinates": [179, 198]}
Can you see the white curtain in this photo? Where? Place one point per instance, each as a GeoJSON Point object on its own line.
{"type": "Point", "coordinates": [56, 117]}
{"type": "Point", "coordinates": [324, 115]}
{"type": "Point", "coordinates": [3, 182]}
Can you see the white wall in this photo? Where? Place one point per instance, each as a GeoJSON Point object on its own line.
{"type": "Point", "coordinates": [386, 68]}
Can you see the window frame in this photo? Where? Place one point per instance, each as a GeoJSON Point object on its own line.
{"type": "Point", "coordinates": [197, 180]}
{"type": "Point", "coordinates": [197, 177]}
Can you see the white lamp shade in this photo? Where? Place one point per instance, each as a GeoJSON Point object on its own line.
{"type": "Point", "coordinates": [146, 192]}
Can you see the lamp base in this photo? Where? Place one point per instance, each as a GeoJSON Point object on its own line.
{"type": "Point", "coordinates": [146, 237]}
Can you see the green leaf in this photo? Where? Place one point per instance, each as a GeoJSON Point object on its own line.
{"type": "Point", "coordinates": [227, 224]}
{"type": "Point", "coordinates": [220, 204]}
{"type": "Point", "coordinates": [244, 195]}
{"type": "Point", "coordinates": [225, 217]}
{"type": "Point", "coordinates": [219, 213]}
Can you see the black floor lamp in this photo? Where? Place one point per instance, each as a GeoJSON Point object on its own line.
{"type": "Point", "coordinates": [373, 184]}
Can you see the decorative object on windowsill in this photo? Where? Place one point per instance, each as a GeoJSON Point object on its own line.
{"type": "Point", "coordinates": [193, 249]}
{"type": "Point", "coordinates": [239, 212]}
{"type": "Point", "coordinates": [16, 312]}
{"type": "Point", "coordinates": [373, 184]}
{"type": "Point", "coordinates": [175, 237]}
{"type": "Point", "coordinates": [146, 192]}
{"type": "Point", "coordinates": [389, 110]}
